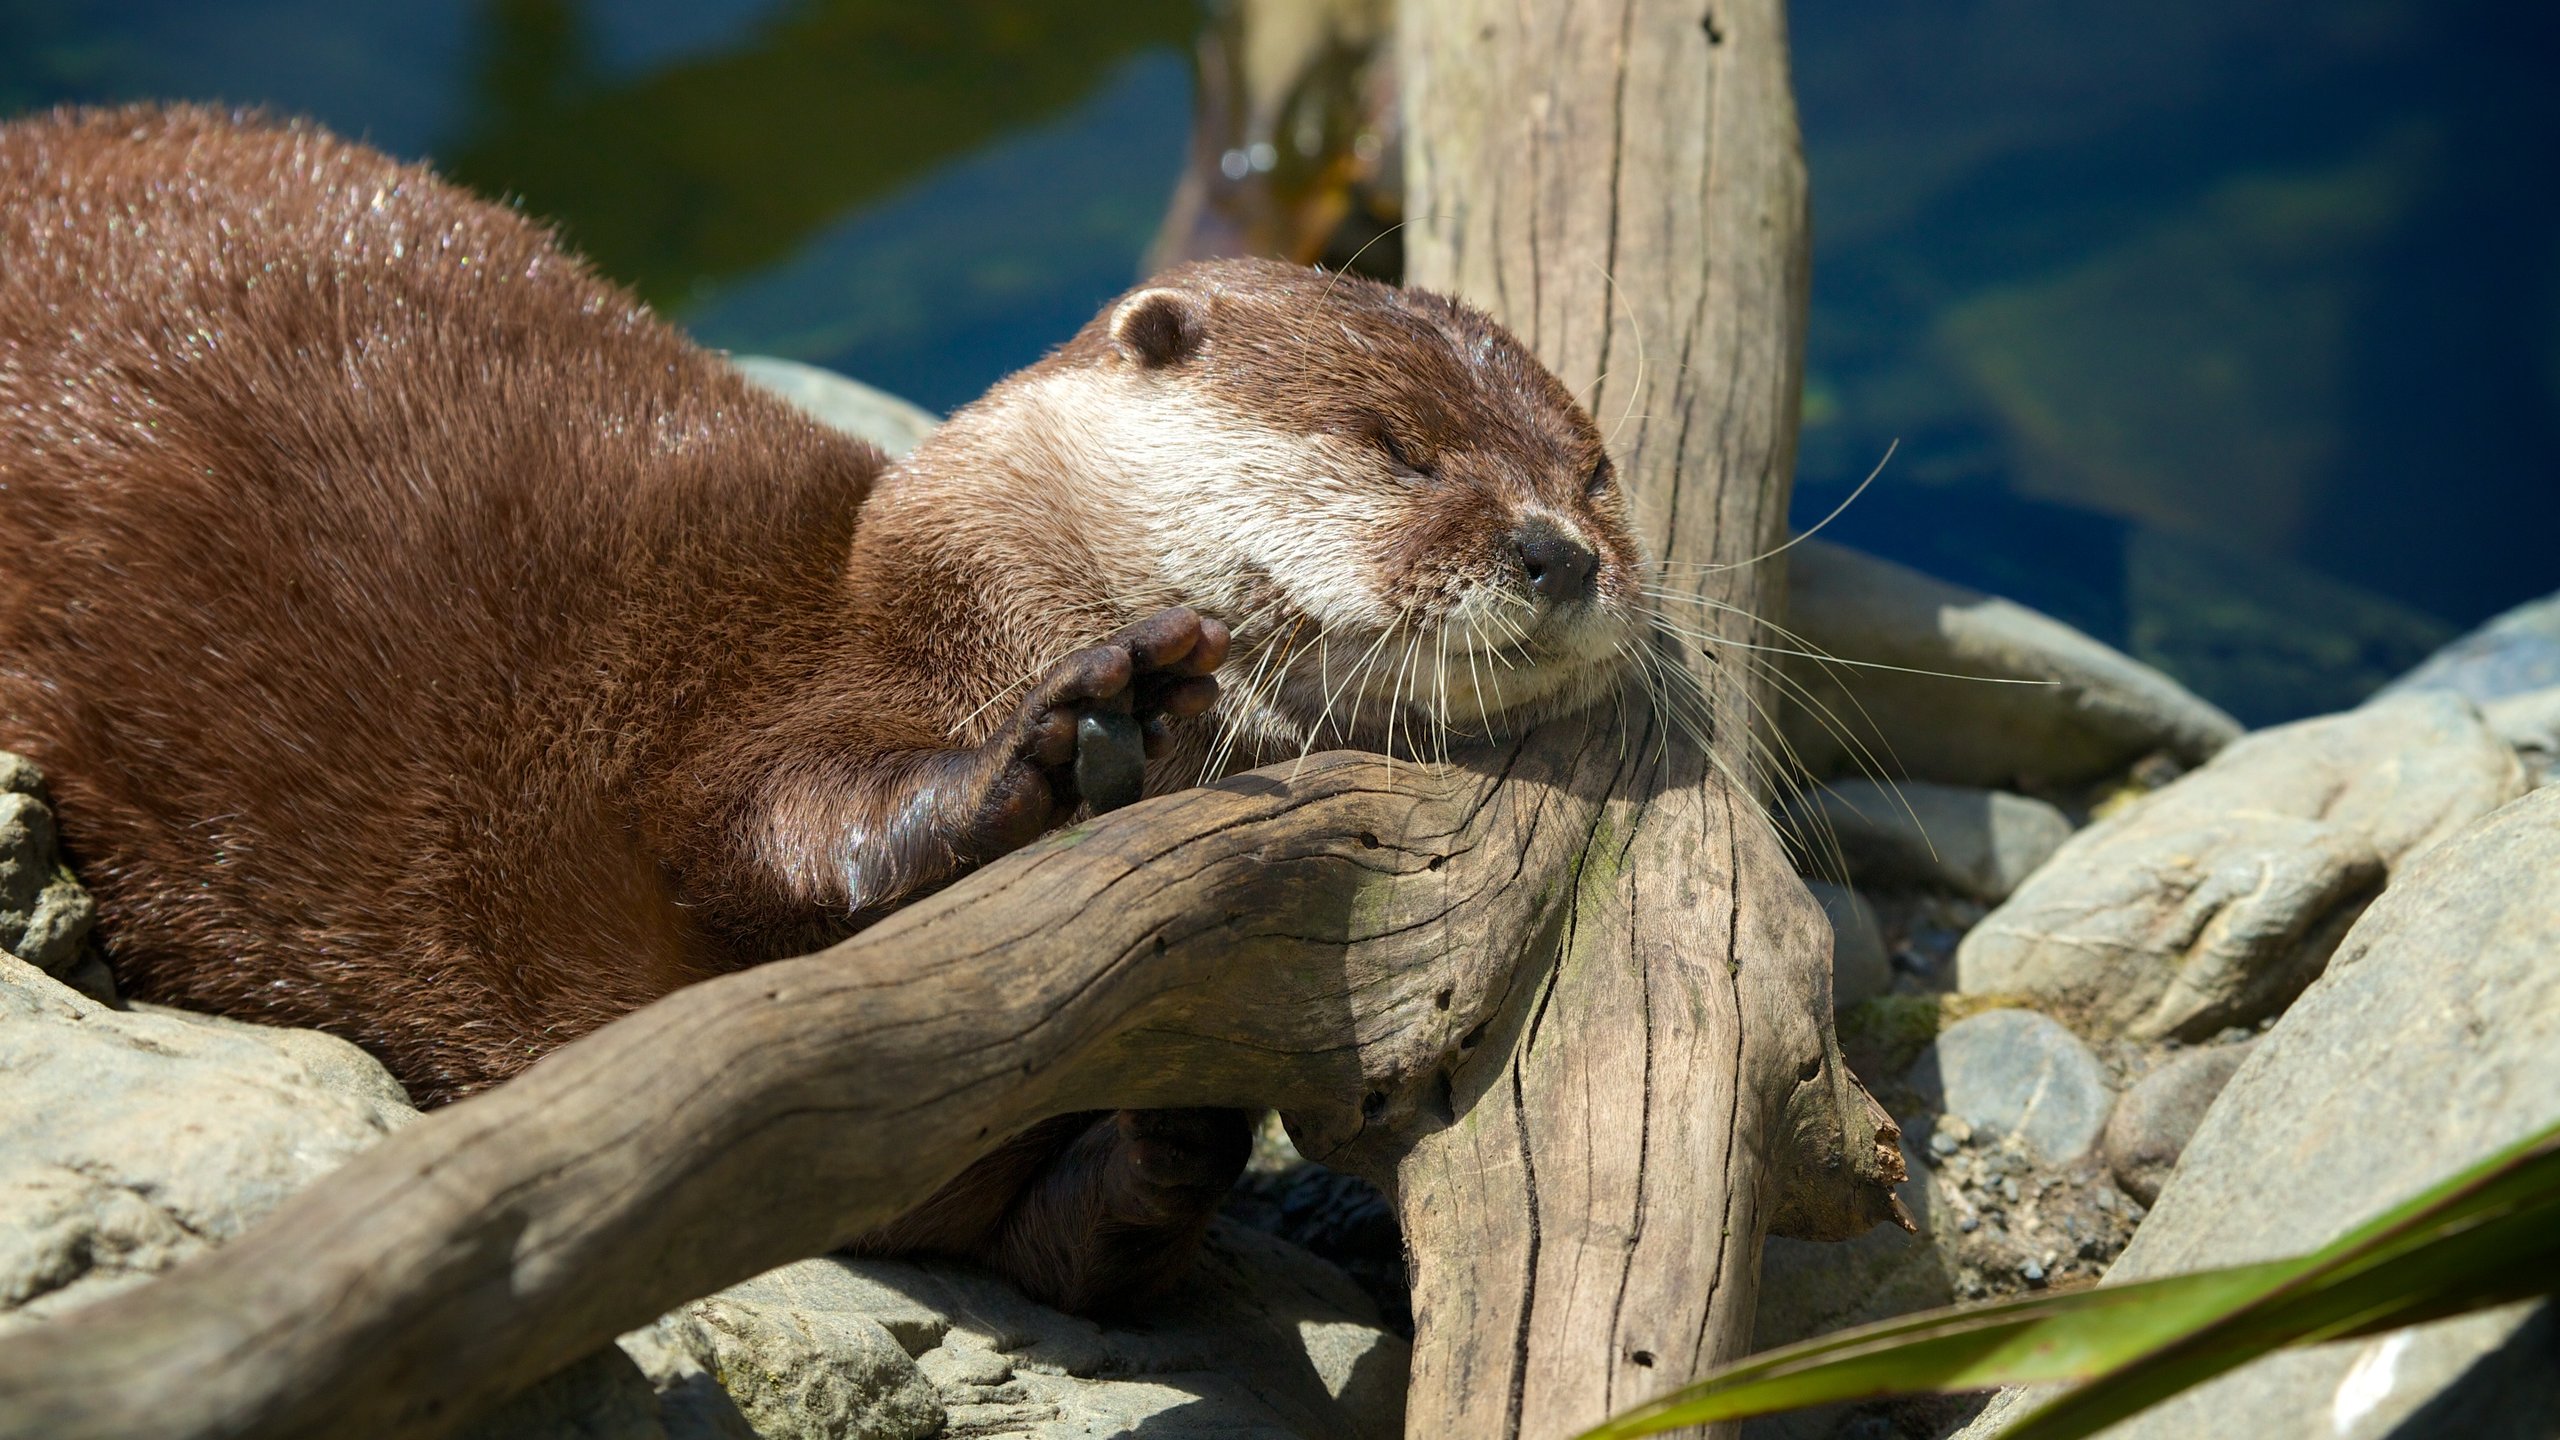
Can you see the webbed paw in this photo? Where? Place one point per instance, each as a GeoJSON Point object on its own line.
{"type": "Point", "coordinates": [1083, 734]}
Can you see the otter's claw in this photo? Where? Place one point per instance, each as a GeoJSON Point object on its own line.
{"type": "Point", "coordinates": [1085, 732]}
{"type": "Point", "coordinates": [1111, 759]}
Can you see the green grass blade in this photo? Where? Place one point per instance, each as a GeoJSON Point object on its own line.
{"type": "Point", "coordinates": [2461, 1268]}
{"type": "Point", "coordinates": [2044, 1337]}
{"type": "Point", "coordinates": [2483, 1237]}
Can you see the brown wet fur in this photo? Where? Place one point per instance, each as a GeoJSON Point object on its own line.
{"type": "Point", "coordinates": [428, 645]}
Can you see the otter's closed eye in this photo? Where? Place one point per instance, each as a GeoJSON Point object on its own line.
{"type": "Point", "coordinates": [1601, 475]}
{"type": "Point", "coordinates": [1401, 459]}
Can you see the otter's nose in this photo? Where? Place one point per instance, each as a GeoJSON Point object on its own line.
{"type": "Point", "coordinates": [1558, 566]}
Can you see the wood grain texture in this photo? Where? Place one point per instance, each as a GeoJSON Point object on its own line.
{"type": "Point", "coordinates": [1620, 182]}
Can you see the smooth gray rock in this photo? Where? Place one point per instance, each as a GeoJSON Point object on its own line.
{"type": "Point", "coordinates": [794, 1369]}
{"type": "Point", "coordinates": [2155, 1119]}
{"type": "Point", "coordinates": [2089, 710]}
{"type": "Point", "coordinates": [2531, 723]}
{"type": "Point", "coordinates": [2213, 901]}
{"type": "Point", "coordinates": [669, 1358]}
{"type": "Point", "coordinates": [839, 401]}
{"type": "Point", "coordinates": [2432, 1041]}
{"type": "Point", "coordinates": [1264, 1340]}
{"type": "Point", "coordinates": [2018, 1073]}
{"type": "Point", "coordinates": [129, 1141]}
{"type": "Point", "coordinates": [1860, 969]}
{"type": "Point", "coordinates": [2511, 654]}
{"type": "Point", "coordinates": [1981, 843]}
{"type": "Point", "coordinates": [603, 1397]}
{"type": "Point", "coordinates": [44, 914]}
{"type": "Point", "coordinates": [331, 1063]}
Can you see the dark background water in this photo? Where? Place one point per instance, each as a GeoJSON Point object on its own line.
{"type": "Point", "coordinates": [2228, 330]}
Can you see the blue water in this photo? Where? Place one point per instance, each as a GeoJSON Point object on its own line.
{"type": "Point", "coordinates": [973, 271]}
{"type": "Point", "coordinates": [2226, 329]}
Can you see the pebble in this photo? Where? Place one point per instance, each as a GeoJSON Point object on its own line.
{"type": "Point", "coordinates": [2017, 1074]}
{"type": "Point", "coordinates": [2156, 1118]}
{"type": "Point", "coordinates": [1975, 842]}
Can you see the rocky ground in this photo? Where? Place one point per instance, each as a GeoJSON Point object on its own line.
{"type": "Point", "coordinates": [2053, 964]}
{"type": "Point", "coordinates": [136, 1138]}
{"type": "Point", "coordinates": [2145, 1040]}
{"type": "Point", "coordinates": [2144, 993]}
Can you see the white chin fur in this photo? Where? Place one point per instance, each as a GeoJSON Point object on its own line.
{"type": "Point", "coordinates": [1412, 697]}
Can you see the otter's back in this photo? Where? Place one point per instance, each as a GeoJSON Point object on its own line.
{"type": "Point", "coordinates": [360, 553]}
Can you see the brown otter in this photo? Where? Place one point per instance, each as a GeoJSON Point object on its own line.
{"type": "Point", "coordinates": [429, 645]}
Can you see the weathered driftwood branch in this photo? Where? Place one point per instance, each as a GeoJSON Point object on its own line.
{"type": "Point", "coordinates": [1337, 944]}
{"type": "Point", "coordinates": [1620, 182]}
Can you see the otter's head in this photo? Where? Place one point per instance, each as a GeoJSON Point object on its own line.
{"type": "Point", "coordinates": [1412, 528]}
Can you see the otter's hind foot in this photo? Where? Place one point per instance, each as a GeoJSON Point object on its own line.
{"type": "Point", "coordinates": [1118, 1216]}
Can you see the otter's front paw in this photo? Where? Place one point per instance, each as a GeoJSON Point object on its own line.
{"type": "Point", "coordinates": [1083, 733]}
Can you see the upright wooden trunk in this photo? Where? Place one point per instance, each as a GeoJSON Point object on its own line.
{"type": "Point", "coordinates": [1620, 182]}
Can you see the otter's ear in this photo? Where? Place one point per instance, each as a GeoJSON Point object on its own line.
{"type": "Point", "coordinates": [1158, 327]}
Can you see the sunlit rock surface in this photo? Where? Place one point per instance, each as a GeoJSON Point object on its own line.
{"type": "Point", "coordinates": [2432, 1041]}
{"type": "Point", "coordinates": [2214, 901]}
